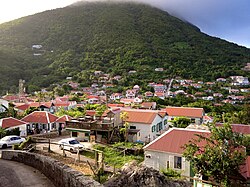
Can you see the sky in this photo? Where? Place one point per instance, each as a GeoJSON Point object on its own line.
{"type": "Point", "coordinates": [226, 19]}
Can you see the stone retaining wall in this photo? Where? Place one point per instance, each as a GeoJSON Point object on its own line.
{"type": "Point", "coordinates": [50, 134]}
{"type": "Point", "coordinates": [61, 175]}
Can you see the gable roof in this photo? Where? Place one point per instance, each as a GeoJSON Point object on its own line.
{"type": "Point", "coordinates": [240, 128]}
{"type": "Point", "coordinates": [185, 111]}
{"type": "Point", "coordinates": [40, 117]}
{"type": "Point", "coordinates": [173, 140]}
{"type": "Point", "coordinates": [10, 122]}
{"type": "Point", "coordinates": [22, 107]}
{"type": "Point", "coordinates": [40, 104]}
{"type": "Point", "coordinates": [141, 116]}
{"type": "Point", "coordinates": [63, 119]}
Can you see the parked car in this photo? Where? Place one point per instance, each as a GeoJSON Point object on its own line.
{"type": "Point", "coordinates": [70, 144]}
{"type": "Point", "coordinates": [9, 141]}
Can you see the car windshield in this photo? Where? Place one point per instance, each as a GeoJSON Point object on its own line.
{"type": "Point", "coordinates": [73, 142]}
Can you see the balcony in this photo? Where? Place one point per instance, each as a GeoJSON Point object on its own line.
{"type": "Point", "coordinates": [93, 125]}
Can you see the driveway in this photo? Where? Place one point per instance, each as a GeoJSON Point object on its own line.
{"type": "Point", "coordinates": [15, 174]}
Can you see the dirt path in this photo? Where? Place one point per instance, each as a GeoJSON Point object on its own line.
{"type": "Point", "coordinates": [15, 174]}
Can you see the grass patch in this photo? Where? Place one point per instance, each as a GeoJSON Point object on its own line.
{"type": "Point", "coordinates": [116, 158]}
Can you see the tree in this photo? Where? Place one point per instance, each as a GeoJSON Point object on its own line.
{"type": "Point", "coordinates": [181, 122]}
{"type": "Point", "coordinates": [220, 157]}
{"type": "Point", "coordinates": [124, 129]}
{"type": "Point", "coordinates": [2, 132]}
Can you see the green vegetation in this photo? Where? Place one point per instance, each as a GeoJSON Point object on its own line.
{"type": "Point", "coordinates": [2, 132]}
{"type": "Point", "coordinates": [171, 173]}
{"type": "Point", "coordinates": [114, 157]}
{"type": "Point", "coordinates": [128, 145]}
{"type": "Point", "coordinates": [218, 156]}
{"type": "Point", "coordinates": [181, 122]}
{"type": "Point", "coordinates": [114, 38]}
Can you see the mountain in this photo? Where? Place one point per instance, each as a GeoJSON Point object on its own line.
{"type": "Point", "coordinates": [114, 38]}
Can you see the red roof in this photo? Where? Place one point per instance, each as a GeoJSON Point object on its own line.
{"type": "Point", "coordinates": [90, 112]}
{"type": "Point", "coordinates": [240, 128]}
{"type": "Point", "coordinates": [115, 105]}
{"type": "Point", "coordinates": [63, 119]}
{"type": "Point", "coordinates": [39, 104]}
{"type": "Point", "coordinates": [245, 169]}
{"type": "Point", "coordinates": [11, 97]}
{"type": "Point", "coordinates": [173, 140]}
{"type": "Point", "coordinates": [10, 122]}
{"type": "Point", "coordinates": [23, 107]}
{"type": "Point", "coordinates": [40, 117]}
{"type": "Point", "coordinates": [141, 116]}
{"type": "Point", "coordinates": [185, 112]}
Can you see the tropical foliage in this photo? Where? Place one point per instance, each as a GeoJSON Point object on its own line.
{"type": "Point", "coordinates": [218, 156]}
{"type": "Point", "coordinates": [114, 38]}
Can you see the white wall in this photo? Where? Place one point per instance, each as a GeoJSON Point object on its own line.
{"type": "Point", "coordinates": [146, 129]}
{"type": "Point", "coordinates": [158, 161]}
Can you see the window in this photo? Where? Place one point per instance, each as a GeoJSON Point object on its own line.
{"type": "Point", "coordinates": [153, 128]}
{"type": "Point", "coordinates": [165, 121]}
{"type": "Point", "coordinates": [177, 162]}
{"type": "Point", "coordinates": [74, 134]}
{"type": "Point", "coordinates": [160, 126]}
{"type": "Point", "coordinates": [132, 127]}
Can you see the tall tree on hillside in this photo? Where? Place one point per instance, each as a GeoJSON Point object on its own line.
{"type": "Point", "coordinates": [221, 156]}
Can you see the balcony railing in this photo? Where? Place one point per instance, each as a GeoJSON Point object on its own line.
{"type": "Point", "coordinates": [95, 125]}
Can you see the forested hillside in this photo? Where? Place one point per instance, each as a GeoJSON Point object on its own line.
{"type": "Point", "coordinates": [114, 38]}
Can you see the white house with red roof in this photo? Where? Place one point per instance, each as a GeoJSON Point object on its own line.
{"type": "Point", "coordinates": [166, 151]}
{"type": "Point", "coordinates": [144, 125]}
{"type": "Point", "coordinates": [12, 123]}
{"type": "Point", "coordinates": [61, 121]}
{"type": "Point", "coordinates": [130, 94]}
{"type": "Point", "coordinates": [41, 121]}
{"type": "Point", "coordinates": [43, 106]}
{"type": "Point", "coordinates": [116, 96]}
{"type": "Point", "coordinates": [194, 114]}
{"type": "Point", "coordinates": [93, 99]}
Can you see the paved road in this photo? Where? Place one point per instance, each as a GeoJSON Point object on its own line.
{"type": "Point", "coordinates": [14, 174]}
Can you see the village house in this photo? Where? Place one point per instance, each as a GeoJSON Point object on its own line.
{"type": "Point", "coordinates": [73, 85]}
{"type": "Point", "coordinates": [194, 114]}
{"type": "Point", "coordinates": [221, 80]}
{"type": "Point", "coordinates": [148, 94]}
{"type": "Point", "coordinates": [43, 106]}
{"type": "Point", "coordinates": [12, 123]}
{"type": "Point", "coordinates": [239, 81]}
{"type": "Point", "coordinates": [130, 94]}
{"type": "Point", "coordinates": [61, 121]}
{"type": "Point", "coordinates": [145, 125]}
{"type": "Point", "coordinates": [148, 105]}
{"type": "Point", "coordinates": [166, 151]}
{"type": "Point", "coordinates": [98, 73]}
{"type": "Point", "coordinates": [159, 87]}
{"type": "Point", "coordinates": [159, 69]}
{"type": "Point", "coordinates": [40, 122]}
{"type": "Point", "coordinates": [92, 99]}
{"type": "Point", "coordinates": [116, 96]}
{"type": "Point", "coordinates": [95, 128]}
{"type": "Point", "coordinates": [161, 95]}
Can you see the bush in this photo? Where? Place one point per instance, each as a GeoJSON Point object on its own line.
{"type": "Point", "coordinates": [170, 173]}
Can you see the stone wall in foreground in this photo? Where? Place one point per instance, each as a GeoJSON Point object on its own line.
{"type": "Point", "coordinates": [61, 175]}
